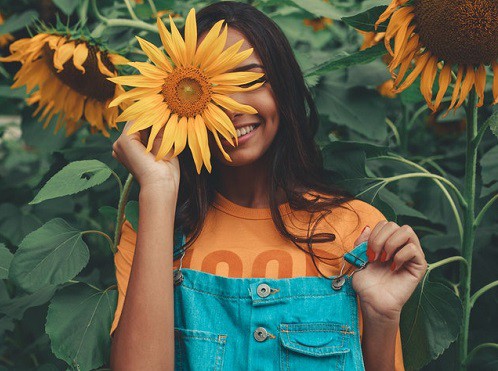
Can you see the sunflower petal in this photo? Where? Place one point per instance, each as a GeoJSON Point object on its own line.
{"type": "Point", "coordinates": [178, 42]}
{"type": "Point", "coordinates": [117, 59]}
{"type": "Point", "coordinates": [387, 13]}
{"type": "Point", "coordinates": [193, 144]}
{"type": "Point", "coordinates": [190, 35]}
{"type": "Point", "coordinates": [154, 54]}
{"type": "Point", "coordinates": [202, 139]}
{"type": "Point", "coordinates": [181, 136]}
{"type": "Point", "coordinates": [427, 80]}
{"type": "Point", "coordinates": [149, 70]}
{"type": "Point", "coordinates": [168, 137]}
{"type": "Point", "coordinates": [205, 46]}
{"type": "Point", "coordinates": [148, 119]}
{"type": "Point", "coordinates": [401, 18]}
{"type": "Point", "coordinates": [419, 66]}
{"type": "Point", "coordinates": [495, 82]}
{"type": "Point", "coordinates": [133, 94]}
{"type": "Point", "coordinates": [480, 81]}
{"type": "Point", "coordinates": [444, 81]}
{"type": "Point", "coordinates": [138, 108]}
{"type": "Point", "coordinates": [168, 44]}
{"type": "Point", "coordinates": [456, 88]}
{"type": "Point", "coordinates": [221, 122]}
{"type": "Point", "coordinates": [156, 127]}
{"type": "Point", "coordinates": [227, 59]}
{"type": "Point", "coordinates": [138, 81]}
{"type": "Point", "coordinates": [217, 139]}
{"type": "Point", "coordinates": [216, 49]}
{"type": "Point", "coordinates": [236, 78]}
{"type": "Point", "coordinates": [63, 54]}
{"type": "Point", "coordinates": [102, 68]}
{"type": "Point", "coordinates": [79, 56]}
{"type": "Point", "coordinates": [231, 89]}
{"type": "Point", "coordinates": [467, 84]}
{"type": "Point", "coordinates": [232, 105]}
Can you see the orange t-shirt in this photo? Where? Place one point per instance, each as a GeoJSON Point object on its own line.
{"type": "Point", "coordinates": [242, 242]}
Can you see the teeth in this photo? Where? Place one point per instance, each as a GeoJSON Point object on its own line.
{"type": "Point", "coordinates": [245, 130]}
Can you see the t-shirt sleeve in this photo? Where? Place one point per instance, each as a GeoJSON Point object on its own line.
{"type": "Point", "coordinates": [123, 260]}
{"type": "Point", "coordinates": [369, 215]}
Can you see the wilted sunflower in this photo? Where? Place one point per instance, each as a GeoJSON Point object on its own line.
{"type": "Point", "coordinates": [71, 76]}
{"type": "Point", "coordinates": [185, 98]}
{"type": "Point", "coordinates": [461, 33]}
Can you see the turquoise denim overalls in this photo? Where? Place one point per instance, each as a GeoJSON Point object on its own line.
{"type": "Point", "coordinates": [267, 324]}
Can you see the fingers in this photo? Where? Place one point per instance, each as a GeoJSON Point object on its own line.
{"type": "Point", "coordinates": [402, 236]}
{"type": "Point", "coordinates": [379, 236]}
{"type": "Point", "coordinates": [412, 253]}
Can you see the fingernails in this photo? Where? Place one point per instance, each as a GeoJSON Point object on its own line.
{"type": "Point", "coordinates": [383, 256]}
{"type": "Point", "coordinates": [370, 255]}
{"type": "Point", "coordinates": [364, 229]}
{"type": "Point", "coordinates": [393, 266]}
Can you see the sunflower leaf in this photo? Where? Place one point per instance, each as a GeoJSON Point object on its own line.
{"type": "Point", "coordinates": [78, 322]}
{"type": "Point", "coordinates": [18, 21]}
{"type": "Point", "coordinates": [365, 21]}
{"type": "Point", "coordinates": [67, 6]}
{"type": "Point", "coordinates": [319, 8]}
{"type": "Point", "coordinates": [131, 212]}
{"type": "Point", "coordinates": [430, 322]}
{"type": "Point", "coordinates": [5, 259]}
{"type": "Point", "coordinates": [492, 121]}
{"type": "Point", "coordinates": [360, 57]}
{"type": "Point", "coordinates": [51, 255]}
{"type": "Point", "coordinates": [73, 178]}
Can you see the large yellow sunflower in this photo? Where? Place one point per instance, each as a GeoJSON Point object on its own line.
{"type": "Point", "coordinates": [185, 97]}
{"type": "Point", "coordinates": [71, 76]}
{"type": "Point", "coordinates": [446, 33]}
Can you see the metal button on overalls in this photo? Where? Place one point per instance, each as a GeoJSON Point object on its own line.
{"type": "Point", "coordinates": [260, 334]}
{"type": "Point", "coordinates": [263, 290]}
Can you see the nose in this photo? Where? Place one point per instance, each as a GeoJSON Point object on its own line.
{"type": "Point", "coordinates": [239, 98]}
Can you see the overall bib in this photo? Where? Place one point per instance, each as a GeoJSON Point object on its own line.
{"type": "Point", "coordinates": [265, 324]}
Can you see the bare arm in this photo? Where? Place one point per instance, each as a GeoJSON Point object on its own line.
{"type": "Point", "coordinates": [144, 338]}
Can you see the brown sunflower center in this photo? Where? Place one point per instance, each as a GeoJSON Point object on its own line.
{"type": "Point", "coordinates": [459, 31]}
{"type": "Point", "coordinates": [187, 91]}
{"type": "Point", "coordinates": [92, 83]}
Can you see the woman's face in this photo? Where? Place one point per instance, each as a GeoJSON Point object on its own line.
{"type": "Point", "coordinates": [253, 144]}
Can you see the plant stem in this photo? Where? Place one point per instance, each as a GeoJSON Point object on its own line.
{"type": "Point", "coordinates": [446, 261]}
{"type": "Point", "coordinates": [484, 209]}
{"type": "Point", "coordinates": [477, 348]}
{"type": "Point", "coordinates": [123, 199]}
{"type": "Point", "coordinates": [481, 291]}
{"type": "Point", "coordinates": [404, 130]}
{"type": "Point", "coordinates": [468, 228]}
{"type": "Point", "coordinates": [130, 10]}
{"type": "Point", "coordinates": [102, 234]}
{"type": "Point", "coordinates": [394, 129]}
{"type": "Point", "coordinates": [115, 22]}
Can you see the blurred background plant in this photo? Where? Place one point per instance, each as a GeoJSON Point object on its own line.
{"type": "Point", "coordinates": [59, 198]}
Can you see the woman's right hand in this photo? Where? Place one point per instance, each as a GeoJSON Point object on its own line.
{"type": "Point", "coordinates": [129, 150]}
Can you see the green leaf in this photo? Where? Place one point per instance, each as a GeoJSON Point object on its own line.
{"type": "Point", "coordinates": [15, 224]}
{"type": "Point", "coordinates": [18, 21]}
{"type": "Point", "coordinates": [365, 21]}
{"type": "Point", "coordinates": [7, 92]}
{"type": "Point", "coordinates": [430, 322]}
{"type": "Point", "coordinates": [73, 178]}
{"type": "Point", "coordinates": [359, 57]}
{"type": "Point", "coordinates": [109, 212]}
{"type": "Point", "coordinates": [319, 8]}
{"type": "Point", "coordinates": [67, 6]}
{"type": "Point", "coordinates": [51, 255]}
{"type": "Point", "coordinates": [131, 212]}
{"type": "Point", "coordinates": [492, 121]}
{"type": "Point", "coordinates": [489, 172]}
{"type": "Point", "coordinates": [78, 322]}
{"type": "Point", "coordinates": [399, 206]}
{"type": "Point", "coordinates": [5, 259]}
{"type": "Point", "coordinates": [16, 306]}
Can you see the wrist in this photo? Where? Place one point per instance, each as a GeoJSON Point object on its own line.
{"type": "Point", "coordinates": [384, 318]}
{"type": "Point", "coordinates": [159, 190]}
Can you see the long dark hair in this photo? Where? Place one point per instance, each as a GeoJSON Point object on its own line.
{"type": "Point", "coordinates": [296, 163]}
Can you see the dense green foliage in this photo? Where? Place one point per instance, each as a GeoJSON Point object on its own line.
{"type": "Point", "coordinates": [59, 195]}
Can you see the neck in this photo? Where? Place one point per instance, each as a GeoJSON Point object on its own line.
{"type": "Point", "coordinates": [246, 185]}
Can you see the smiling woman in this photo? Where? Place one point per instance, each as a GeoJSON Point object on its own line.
{"type": "Point", "coordinates": [260, 237]}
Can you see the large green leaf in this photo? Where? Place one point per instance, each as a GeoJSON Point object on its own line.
{"type": "Point", "coordinates": [489, 173]}
{"type": "Point", "coordinates": [399, 206]}
{"type": "Point", "coordinates": [430, 322]}
{"type": "Point", "coordinates": [359, 57]}
{"type": "Point", "coordinates": [78, 322]}
{"type": "Point", "coordinates": [51, 255]}
{"type": "Point", "coordinates": [16, 223]}
{"type": "Point", "coordinates": [131, 213]}
{"type": "Point", "coordinates": [492, 121]}
{"type": "Point", "coordinates": [18, 21]}
{"type": "Point", "coordinates": [365, 21]}
{"type": "Point", "coordinates": [5, 259]}
{"type": "Point", "coordinates": [74, 177]}
{"type": "Point", "coordinates": [16, 306]}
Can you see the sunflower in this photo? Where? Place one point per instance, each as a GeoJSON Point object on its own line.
{"type": "Point", "coordinates": [5, 38]}
{"type": "Point", "coordinates": [439, 35]}
{"type": "Point", "coordinates": [185, 97]}
{"type": "Point", "coordinates": [71, 76]}
{"type": "Point", "coordinates": [318, 24]}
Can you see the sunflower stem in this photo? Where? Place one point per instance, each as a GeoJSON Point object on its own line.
{"type": "Point", "coordinates": [469, 228]}
{"type": "Point", "coordinates": [403, 131]}
{"type": "Point", "coordinates": [115, 22]}
{"type": "Point", "coordinates": [153, 7]}
{"type": "Point", "coordinates": [111, 246]}
{"type": "Point", "coordinates": [130, 10]}
{"type": "Point", "coordinates": [123, 199]}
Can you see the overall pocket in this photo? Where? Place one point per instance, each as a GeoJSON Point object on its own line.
{"type": "Point", "coordinates": [199, 350]}
{"type": "Point", "coordinates": [313, 345]}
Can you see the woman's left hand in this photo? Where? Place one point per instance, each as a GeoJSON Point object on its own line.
{"type": "Point", "coordinates": [382, 290]}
